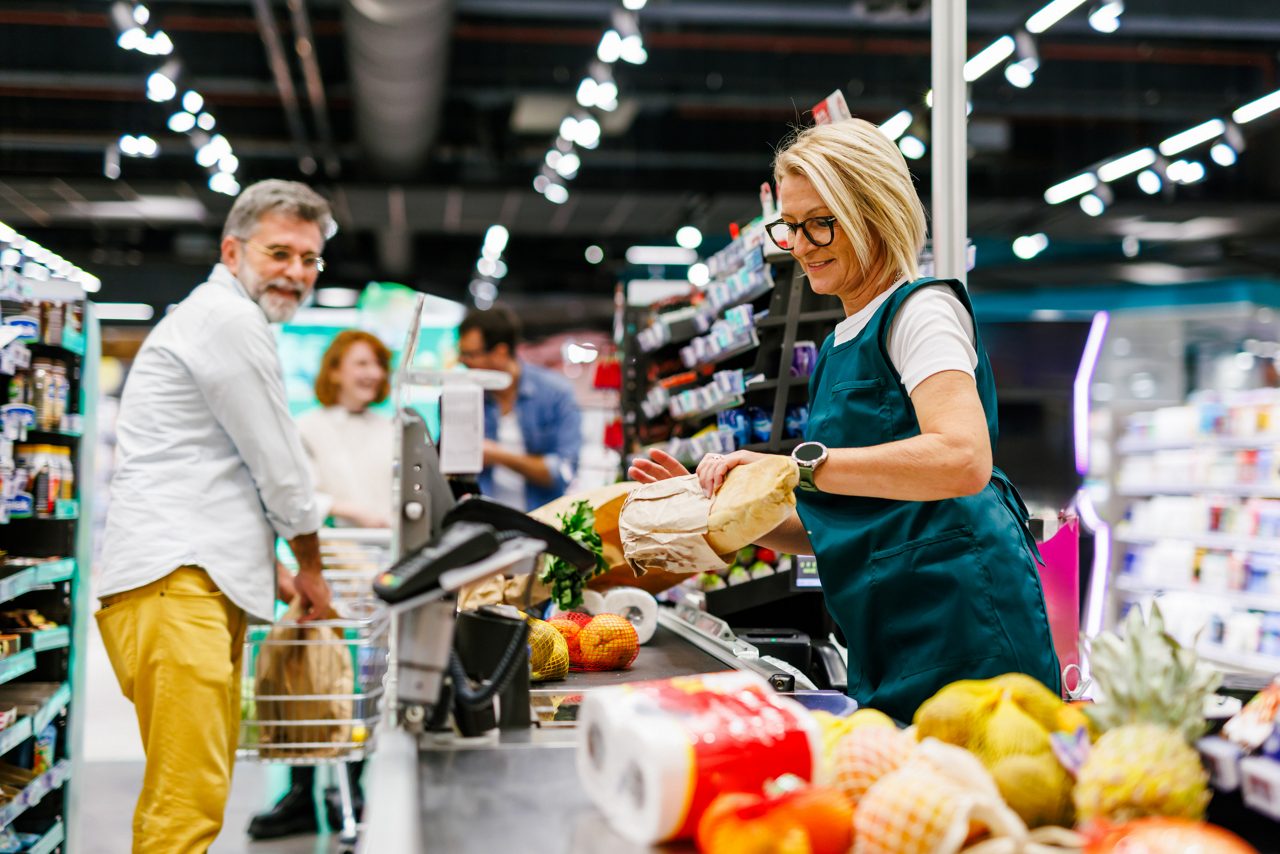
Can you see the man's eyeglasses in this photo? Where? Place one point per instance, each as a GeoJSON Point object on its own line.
{"type": "Point", "coordinates": [284, 257]}
{"type": "Point", "coordinates": [820, 231]}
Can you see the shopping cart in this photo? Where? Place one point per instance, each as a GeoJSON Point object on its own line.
{"type": "Point", "coordinates": [326, 715]}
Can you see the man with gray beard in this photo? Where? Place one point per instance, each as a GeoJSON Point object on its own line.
{"type": "Point", "coordinates": [210, 470]}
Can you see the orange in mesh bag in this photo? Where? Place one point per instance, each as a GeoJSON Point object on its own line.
{"type": "Point", "coordinates": [320, 667]}
{"type": "Point", "coordinates": [608, 642]}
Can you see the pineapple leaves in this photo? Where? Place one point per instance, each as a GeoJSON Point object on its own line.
{"type": "Point", "coordinates": [1143, 675]}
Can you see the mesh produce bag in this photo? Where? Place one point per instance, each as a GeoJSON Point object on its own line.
{"type": "Point", "coordinates": [608, 642]}
{"type": "Point", "coordinates": [943, 801]}
{"type": "Point", "coordinates": [548, 651]}
{"type": "Point", "coordinates": [321, 668]}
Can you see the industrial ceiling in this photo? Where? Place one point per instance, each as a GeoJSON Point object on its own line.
{"type": "Point", "coordinates": [426, 122]}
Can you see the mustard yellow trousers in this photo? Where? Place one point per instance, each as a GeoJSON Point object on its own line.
{"type": "Point", "coordinates": [176, 646]}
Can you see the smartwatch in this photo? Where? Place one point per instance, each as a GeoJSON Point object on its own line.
{"type": "Point", "coordinates": [809, 456]}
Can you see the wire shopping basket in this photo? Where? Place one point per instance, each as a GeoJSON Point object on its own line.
{"type": "Point", "coordinates": [310, 692]}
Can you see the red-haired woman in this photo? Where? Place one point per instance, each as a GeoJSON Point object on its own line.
{"type": "Point", "coordinates": [350, 445]}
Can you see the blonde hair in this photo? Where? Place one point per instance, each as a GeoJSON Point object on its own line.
{"type": "Point", "coordinates": [862, 177]}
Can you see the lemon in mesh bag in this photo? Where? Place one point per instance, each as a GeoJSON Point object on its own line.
{"type": "Point", "coordinates": [1007, 723]}
{"type": "Point", "coordinates": [548, 651]}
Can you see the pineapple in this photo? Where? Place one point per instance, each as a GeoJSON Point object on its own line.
{"type": "Point", "coordinates": [1150, 710]}
{"type": "Point", "coordinates": [1140, 770]}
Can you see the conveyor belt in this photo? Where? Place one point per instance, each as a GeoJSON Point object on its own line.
{"type": "Point", "coordinates": [664, 656]}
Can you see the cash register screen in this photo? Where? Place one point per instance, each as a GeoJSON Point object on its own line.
{"type": "Point", "coordinates": [805, 574]}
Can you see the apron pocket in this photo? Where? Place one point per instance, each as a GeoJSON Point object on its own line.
{"type": "Point", "coordinates": [853, 415]}
{"type": "Point", "coordinates": [931, 605]}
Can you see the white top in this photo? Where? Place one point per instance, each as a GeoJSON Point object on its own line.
{"type": "Point", "coordinates": [350, 456]}
{"type": "Point", "coordinates": [933, 332]}
{"type": "Point", "coordinates": [210, 466]}
{"type": "Point", "coordinates": [508, 486]}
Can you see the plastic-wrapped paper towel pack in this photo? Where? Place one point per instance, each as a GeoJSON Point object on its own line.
{"type": "Point", "coordinates": [652, 755]}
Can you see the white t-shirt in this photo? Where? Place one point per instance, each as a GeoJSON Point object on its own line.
{"type": "Point", "coordinates": [932, 332]}
{"type": "Point", "coordinates": [508, 486]}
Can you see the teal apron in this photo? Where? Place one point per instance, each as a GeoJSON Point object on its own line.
{"type": "Point", "coordinates": [926, 592]}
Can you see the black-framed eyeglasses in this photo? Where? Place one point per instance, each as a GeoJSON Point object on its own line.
{"type": "Point", "coordinates": [284, 256]}
{"type": "Point", "coordinates": [819, 230]}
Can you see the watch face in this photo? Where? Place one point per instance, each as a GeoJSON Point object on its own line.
{"type": "Point", "coordinates": [809, 452]}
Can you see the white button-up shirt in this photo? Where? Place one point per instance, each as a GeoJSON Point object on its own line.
{"type": "Point", "coordinates": [209, 465]}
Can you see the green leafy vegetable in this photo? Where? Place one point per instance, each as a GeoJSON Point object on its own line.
{"type": "Point", "coordinates": [565, 579]}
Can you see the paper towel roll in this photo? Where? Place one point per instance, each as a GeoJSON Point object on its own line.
{"type": "Point", "coordinates": [653, 755]}
{"type": "Point", "coordinates": [593, 602]}
{"type": "Point", "coordinates": [636, 605]}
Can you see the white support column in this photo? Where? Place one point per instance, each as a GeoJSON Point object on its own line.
{"type": "Point", "coordinates": [949, 218]}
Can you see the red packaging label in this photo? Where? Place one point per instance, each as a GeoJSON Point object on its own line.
{"type": "Point", "coordinates": [739, 739]}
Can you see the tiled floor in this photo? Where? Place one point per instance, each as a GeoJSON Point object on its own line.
{"type": "Point", "coordinates": [112, 777]}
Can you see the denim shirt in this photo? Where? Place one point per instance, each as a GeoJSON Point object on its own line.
{"type": "Point", "coordinates": [552, 426]}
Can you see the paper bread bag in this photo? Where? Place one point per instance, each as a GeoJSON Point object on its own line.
{"type": "Point", "coordinates": [670, 526]}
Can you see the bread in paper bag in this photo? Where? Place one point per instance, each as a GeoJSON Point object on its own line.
{"type": "Point", "coordinates": [753, 500]}
{"type": "Point", "coordinates": [670, 525]}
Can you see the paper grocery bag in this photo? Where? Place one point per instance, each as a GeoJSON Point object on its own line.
{"type": "Point", "coordinates": [669, 525]}
{"type": "Point", "coordinates": [606, 502]}
{"type": "Point", "coordinates": [321, 668]}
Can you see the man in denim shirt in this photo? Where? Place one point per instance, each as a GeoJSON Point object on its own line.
{"type": "Point", "coordinates": [533, 428]}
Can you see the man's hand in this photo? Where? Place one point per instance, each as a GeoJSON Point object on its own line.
{"type": "Point", "coordinates": [313, 593]}
{"type": "Point", "coordinates": [659, 466]}
{"type": "Point", "coordinates": [309, 584]}
{"type": "Point", "coordinates": [285, 589]}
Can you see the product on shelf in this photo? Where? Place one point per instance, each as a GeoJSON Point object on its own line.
{"type": "Point", "coordinates": [734, 333]}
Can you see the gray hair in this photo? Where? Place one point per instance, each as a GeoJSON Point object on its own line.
{"type": "Point", "coordinates": [288, 197]}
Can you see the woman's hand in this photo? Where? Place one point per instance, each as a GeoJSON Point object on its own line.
{"type": "Point", "coordinates": [714, 468]}
{"type": "Point", "coordinates": [659, 466]}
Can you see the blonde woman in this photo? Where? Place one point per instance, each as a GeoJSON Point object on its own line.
{"type": "Point", "coordinates": [922, 544]}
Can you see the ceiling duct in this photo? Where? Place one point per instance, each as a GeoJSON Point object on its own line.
{"type": "Point", "coordinates": [398, 53]}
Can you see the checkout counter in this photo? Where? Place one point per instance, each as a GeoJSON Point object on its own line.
{"type": "Point", "coordinates": [520, 788]}
{"type": "Point", "coordinates": [427, 787]}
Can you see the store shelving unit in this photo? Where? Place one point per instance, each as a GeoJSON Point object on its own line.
{"type": "Point", "coordinates": [1191, 483]}
{"type": "Point", "coordinates": [45, 569]}
{"type": "Point", "coordinates": [786, 312]}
